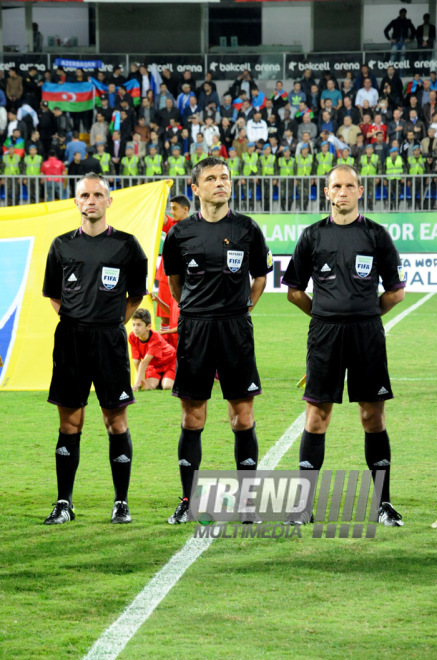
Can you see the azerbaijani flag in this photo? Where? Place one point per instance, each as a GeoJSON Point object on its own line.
{"type": "Point", "coordinates": [133, 89]}
{"type": "Point", "coordinates": [71, 97]}
{"type": "Point", "coordinates": [115, 122]}
{"type": "Point", "coordinates": [19, 146]}
{"type": "Point", "coordinates": [99, 88]}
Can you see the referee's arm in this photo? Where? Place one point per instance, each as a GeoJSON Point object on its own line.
{"type": "Point", "coordinates": [258, 286]}
{"type": "Point", "coordinates": [300, 299]}
{"type": "Point", "coordinates": [174, 282]}
{"type": "Point", "coordinates": [389, 299]}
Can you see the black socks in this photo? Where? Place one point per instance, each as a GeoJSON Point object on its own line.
{"type": "Point", "coordinates": [67, 461]}
{"type": "Point", "coordinates": [246, 449]}
{"type": "Point", "coordinates": [189, 455]}
{"type": "Point", "coordinates": [378, 457]}
{"type": "Point", "coordinates": [312, 451]}
{"type": "Point", "coordinates": [120, 457]}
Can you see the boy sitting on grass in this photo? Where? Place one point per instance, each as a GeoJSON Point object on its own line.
{"type": "Point", "coordinates": [154, 358]}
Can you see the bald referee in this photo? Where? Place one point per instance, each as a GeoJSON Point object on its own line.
{"type": "Point", "coordinates": [209, 259]}
{"type": "Point", "coordinates": [345, 255]}
{"type": "Point", "coordinates": [95, 279]}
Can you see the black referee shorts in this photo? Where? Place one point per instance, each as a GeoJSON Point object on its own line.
{"type": "Point", "coordinates": [358, 347]}
{"type": "Point", "coordinates": [86, 355]}
{"type": "Point", "coordinates": [223, 345]}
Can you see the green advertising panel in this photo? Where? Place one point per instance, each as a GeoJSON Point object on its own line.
{"type": "Point", "coordinates": [411, 232]}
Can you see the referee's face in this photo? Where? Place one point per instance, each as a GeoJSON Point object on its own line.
{"type": "Point", "coordinates": [214, 185]}
{"type": "Point", "coordinates": [92, 200]}
{"type": "Point", "coordinates": [343, 190]}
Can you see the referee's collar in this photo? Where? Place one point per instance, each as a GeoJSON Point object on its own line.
{"type": "Point", "coordinates": [228, 215]}
{"type": "Point", "coordinates": [108, 232]}
{"type": "Point", "coordinates": [359, 219]}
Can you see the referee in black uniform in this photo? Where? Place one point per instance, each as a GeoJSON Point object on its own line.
{"type": "Point", "coordinates": [96, 278]}
{"type": "Point", "coordinates": [346, 254]}
{"type": "Point", "coordinates": [209, 258]}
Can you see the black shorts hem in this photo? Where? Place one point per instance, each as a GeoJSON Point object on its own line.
{"type": "Point", "coordinates": [246, 395]}
{"type": "Point", "coordinates": [310, 399]}
{"type": "Point", "coordinates": [123, 404]}
{"type": "Point", "coordinates": [189, 397]}
{"type": "Point", "coordinates": [65, 405]}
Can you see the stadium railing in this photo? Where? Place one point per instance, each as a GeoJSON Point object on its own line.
{"type": "Point", "coordinates": [258, 194]}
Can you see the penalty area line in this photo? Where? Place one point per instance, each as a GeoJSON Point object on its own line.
{"type": "Point", "coordinates": [112, 642]}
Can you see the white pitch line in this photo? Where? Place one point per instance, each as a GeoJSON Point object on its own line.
{"type": "Point", "coordinates": [112, 642]}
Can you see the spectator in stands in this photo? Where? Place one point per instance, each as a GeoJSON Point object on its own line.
{"type": "Point", "coordinates": [307, 125]}
{"type": "Point", "coordinates": [169, 111]}
{"type": "Point", "coordinates": [365, 72]}
{"type": "Point", "coordinates": [326, 121]}
{"type": "Point", "coordinates": [395, 182]}
{"type": "Point", "coordinates": [279, 96]}
{"type": "Point", "coordinates": [172, 83]}
{"type": "Point", "coordinates": [313, 100]}
{"type": "Point", "coordinates": [425, 36]}
{"type": "Point", "coordinates": [53, 169]}
{"type": "Point", "coordinates": [348, 90]}
{"type": "Point", "coordinates": [195, 127]}
{"type": "Point", "coordinates": [323, 82]}
{"type": "Point", "coordinates": [274, 145]}
{"type": "Point", "coordinates": [225, 129]}
{"type": "Point", "coordinates": [429, 108]}
{"type": "Point", "coordinates": [163, 97]}
{"type": "Point", "coordinates": [258, 99]}
{"type": "Point", "coordinates": [358, 149]}
{"type": "Point", "coordinates": [380, 147]}
{"type": "Point", "coordinates": [365, 126]}
{"type": "Point", "coordinates": [240, 142]}
{"type": "Point", "coordinates": [35, 140]}
{"type": "Point", "coordinates": [74, 169]}
{"type": "Point", "coordinates": [183, 99]}
{"type": "Point", "coordinates": [393, 78]}
{"type": "Point", "coordinates": [142, 129]}
{"type": "Point", "coordinates": [295, 97]}
{"type": "Point", "coordinates": [402, 32]}
{"type": "Point", "coordinates": [104, 158]}
{"type": "Point", "coordinates": [331, 93]}
{"type": "Point", "coordinates": [226, 108]}
{"type": "Point", "coordinates": [31, 88]}
{"type": "Point", "coordinates": [387, 95]}
{"type": "Point", "coordinates": [244, 83]}
{"type": "Point", "coordinates": [306, 140]}
{"type": "Point", "coordinates": [375, 127]}
{"type": "Point", "coordinates": [211, 111]}
{"type": "Point", "coordinates": [367, 92]}
{"type": "Point", "coordinates": [14, 86]}
{"type": "Point", "coordinates": [429, 144]}
{"type": "Point", "coordinates": [288, 141]}
{"type": "Point", "coordinates": [350, 110]}
{"type": "Point", "coordinates": [257, 128]}
{"type": "Point", "coordinates": [348, 131]}
{"type": "Point", "coordinates": [146, 110]}
{"type": "Point", "coordinates": [395, 127]}
{"type": "Point", "coordinates": [407, 145]}
{"type": "Point", "coordinates": [303, 108]}
{"type": "Point", "coordinates": [117, 149]}
{"type": "Point", "coordinates": [63, 123]}
{"type": "Point", "coordinates": [134, 73]}
{"type": "Point", "coordinates": [416, 125]}
{"type": "Point", "coordinates": [208, 130]}
{"type": "Point", "coordinates": [198, 142]}
{"type": "Point", "coordinates": [307, 81]}
{"type": "Point", "coordinates": [15, 123]}
{"type": "Point", "coordinates": [246, 111]}
{"type": "Point", "coordinates": [47, 126]}
{"type": "Point", "coordinates": [207, 96]}
{"type": "Point", "coordinates": [117, 77]}
{"type": "Point", "coordinates": [76, 144]}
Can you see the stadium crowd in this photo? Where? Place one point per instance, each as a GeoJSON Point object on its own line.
{"type": "Point", "coordinates": [386, 128]}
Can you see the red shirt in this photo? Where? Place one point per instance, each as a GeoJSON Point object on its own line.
{"type": "Point", "coordinates": [53, 166]}
{"type": "Point", "coordinates": [163, 353]}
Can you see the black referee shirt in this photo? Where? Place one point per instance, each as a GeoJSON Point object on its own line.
{"type": "Point", "coordinates": [214, 260]}
{"type": "Point", "coordinates": [92, 275]}
{"type": "Point", "coordinates": [345, 262]}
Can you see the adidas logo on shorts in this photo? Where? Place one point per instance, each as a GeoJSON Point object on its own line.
{"type": "Point", "coordinates": [123, 396]}
{"type": "Point", "coordinates": [62, 451]}
{"type": "Point", "coordinates": [121, 459]}
{"type": "Point", "coordinates": [252, 387]}
{"type": "Point", "coordinates": [383, 391]}
{"type": "Point", "coordinates": [72, 278]}
{"type": "Point", "coordinates": [325, 269]}
{"type": "Point", "coordinates": [193, 264]}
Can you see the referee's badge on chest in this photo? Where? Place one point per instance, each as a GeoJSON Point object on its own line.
{"type": "Point", "coordinates": [235, 259]}
{"type": "Point", "coordinates": [110, 277]}
{"type": "Point", "coordinates": [363, 265]}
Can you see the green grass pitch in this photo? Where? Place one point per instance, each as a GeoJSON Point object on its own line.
{"type": "Point", "coordinates": [306, 598]}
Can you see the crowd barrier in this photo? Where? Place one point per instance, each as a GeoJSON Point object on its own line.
{"type": "Point", "coordinates": [268, 194]}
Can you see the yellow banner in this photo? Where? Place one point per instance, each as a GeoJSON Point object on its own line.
{"type": "Point", "coordinates": [27, 319]}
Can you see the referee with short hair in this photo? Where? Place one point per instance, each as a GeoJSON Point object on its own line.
{"type": "Point", "coordinates": [96, 278]}
{"type": "Point", "coordinates": [346, 254]}
{"type": "Point", "coordinates": [209, 259]}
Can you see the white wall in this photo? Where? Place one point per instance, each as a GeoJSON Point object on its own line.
{"type": "Point", "coordinates": [377, 15]}
{"type": "Point", "coordinates": [287, 25]}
